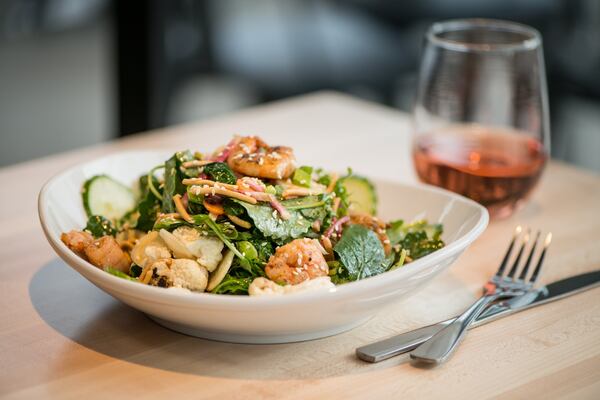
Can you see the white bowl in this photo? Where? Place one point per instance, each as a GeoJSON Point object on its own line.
{"type": "Point", "coordinates": [282, 319]}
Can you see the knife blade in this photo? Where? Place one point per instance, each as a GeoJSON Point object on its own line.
{"type": "Point", "coordinates": [409, 341]}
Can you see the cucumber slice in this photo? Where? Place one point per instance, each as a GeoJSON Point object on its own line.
{"type": "Point", "coordinates": [104, 196]}
{"type": "Point", "coordinates": [361, 194]}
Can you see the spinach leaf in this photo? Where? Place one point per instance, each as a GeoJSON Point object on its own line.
{"type": "Point", "coordinates": [232, 208]}
{"type": "Point", "coordinates": [360, 252]}
{"type": "Point", "coordinates": [171, 186]}
{"type": "Point", "coordinates": [419, 245]}
{"type": "Point", "coordinates": [418, 238]}
{"type": "Point", "coordinates": [220, 172]}
{"type": "Point", "coordinates": [149, 205]}
{"type": "Point", "coordinates": [174, 174]}
{"type": "Point", "coordinates": [183, 156]}
{"type": "Point", "coordinates": [224, 231]}
{"type": "Point", "coordinates": [311, 207]}
{"type": "Point", "coordinates": [99, 226]}
{"type": "Point", "coordinates": [168, 224]}
{"type": "Point", "coordinates": [119, 274]}
{"type": "Point", "coordinates": [268, 222]}
{"type": "Point", "coordinates": [135, 270]}
{"type": "Point", "coordinates": [395, 232]}
{"type": "Point", "coordinates": [340, 191]}
{"type": "Point", "coordinates": [233, 285]}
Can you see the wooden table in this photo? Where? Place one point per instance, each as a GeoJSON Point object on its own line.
{"type": "Point", "coordinates": [60, 337]}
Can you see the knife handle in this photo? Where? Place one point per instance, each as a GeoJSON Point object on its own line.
{"type": "Point", "coordinates": [399, 344]}
{"type": "Point", "coordinates": [442, 345]}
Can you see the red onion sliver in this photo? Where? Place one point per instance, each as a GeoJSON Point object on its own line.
{"type": "Point", "coordinates": [336, 225]}
{"type": "Point", "coordinates": [283, 213]}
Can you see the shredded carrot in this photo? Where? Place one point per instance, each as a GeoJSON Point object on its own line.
{"type": "Point", "coordinates": [336, 204]}
{"type": "Point", "coordinates": [331, 186]}
{"type": "Point", "coordinates": [216, 209]}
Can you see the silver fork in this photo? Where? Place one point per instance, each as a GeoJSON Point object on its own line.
{"type": "Point", "coordinates": [441, 345]}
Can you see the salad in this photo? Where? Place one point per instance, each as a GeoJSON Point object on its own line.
{"type": "Point", "coordinates": [244, 220]}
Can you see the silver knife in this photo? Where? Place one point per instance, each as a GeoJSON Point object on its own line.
{"type": "Point", "coordinates": [409, 341]}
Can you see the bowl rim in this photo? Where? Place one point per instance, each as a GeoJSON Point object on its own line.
{"type": "Point", "coordinates": [190, 299]}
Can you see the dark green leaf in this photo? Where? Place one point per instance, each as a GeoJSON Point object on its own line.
{"type": "Point", "coordinates": [135, 270]}
{"type": "Point", "coordinates": [268, 222]}
{"type": "Point", "coordinates": [220, 172]}
{"type": "Point", "coordinates": [171, 185]}
{"type": "Point", "coordinates": [360, 252]}
{"type": "Point", "coordinates": [99, 226]}
{"type": "Point", "coordinates": [233, 285]}
{"type": "Point", "coordinates": [168, 224]}
{"type": "Point", "coordinates": [395, 232]}
{"type": "Point", "coordinates": [232, 208]}
{"type": "Point", "coordinates": [119, 274]}
{"type": "Point", "coordinates": [183, 156]}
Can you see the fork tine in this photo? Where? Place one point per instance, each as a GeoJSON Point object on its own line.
{"type": "Point", "coordinates": [509, 251]}
{"type": "Point", "coordinates": [515, 266]}
{"type": "Point", "coordinates": [536, 272]}
{"type": "Point", "coordinates": [525, 269]}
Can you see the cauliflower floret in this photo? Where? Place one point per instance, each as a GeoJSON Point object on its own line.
{"type": "Point", "coordinates": [156, 252]}
{"type": "Point", "coordinates": [188, 274]}
{"type": "Point", "coordinates": [207, 249]}
{"type": "Point", "coordinates": [178, 273]}
{"type": "Point", "coordinates": [264, 287]}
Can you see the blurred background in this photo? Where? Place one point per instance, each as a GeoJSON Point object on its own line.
{"type": "Point", "coordinates": [78, 72]}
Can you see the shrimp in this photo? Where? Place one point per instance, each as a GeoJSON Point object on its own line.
{"type": "Point", "coordinates": [297, 262]}
{"type": "Point", "coordinates": [251, 156]}
{"type": "Point", "coordinates": [77, 241]}
{"type": "Point", "coordinates": [374, 224]}
{"type": "Point", "coordinates": [106, 252]}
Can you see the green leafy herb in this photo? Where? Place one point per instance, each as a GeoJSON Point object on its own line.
{"type": "Point", "coordinates": [418, 238]}
{"type": "Point", "coordinates": [99, 226]}
{"type": "Point", "coordinates": [135, 270]}
{"type": "Point", "coordinates": [168, 223]}
{"type": "Point", "coordinates": [119, 274]}
{"type": "Point", "coordinates": [340, 191]}
{"type": "Point", "coordinates": [172, 185]}
{"type": "Point", "coordinates": [396, 231]}
{"type": "Point", "coordinates": [248, 250]}
{"type": "Point", "coordinates": [360, 252]}
{"type": "Point", "coordinates": [184, 156]}
{"type": "Point", "coordinates": [419, 245]}
{"type": "Point", "coordinates": [174, 174]}
{"type": "Point", "coordinates": [233, 285]}
{"type": "Point", "coordinates": [220, 172]}
{"type": "Point", "coordinates": [268, 222]}
{"type": "Point", "coordinates": [149, 205]}
{"type": "Point", "coordinates": [400, 261]}
{"type": "Point", "coordinates": [220, 233]}
{"type": "Point", "coordinates": [232, 208]}
{"type": "Point", "coordinates": [302, 176]}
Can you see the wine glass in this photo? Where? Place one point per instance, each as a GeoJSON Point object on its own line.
{"type": "Point", "coordinates": [481, 125]}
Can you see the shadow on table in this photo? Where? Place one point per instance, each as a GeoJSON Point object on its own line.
{"type": "Point", "coordinates": [80, 311]}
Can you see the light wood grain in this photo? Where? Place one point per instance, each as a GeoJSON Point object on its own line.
{"type": "Point", "coordinates": [60, 337]}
